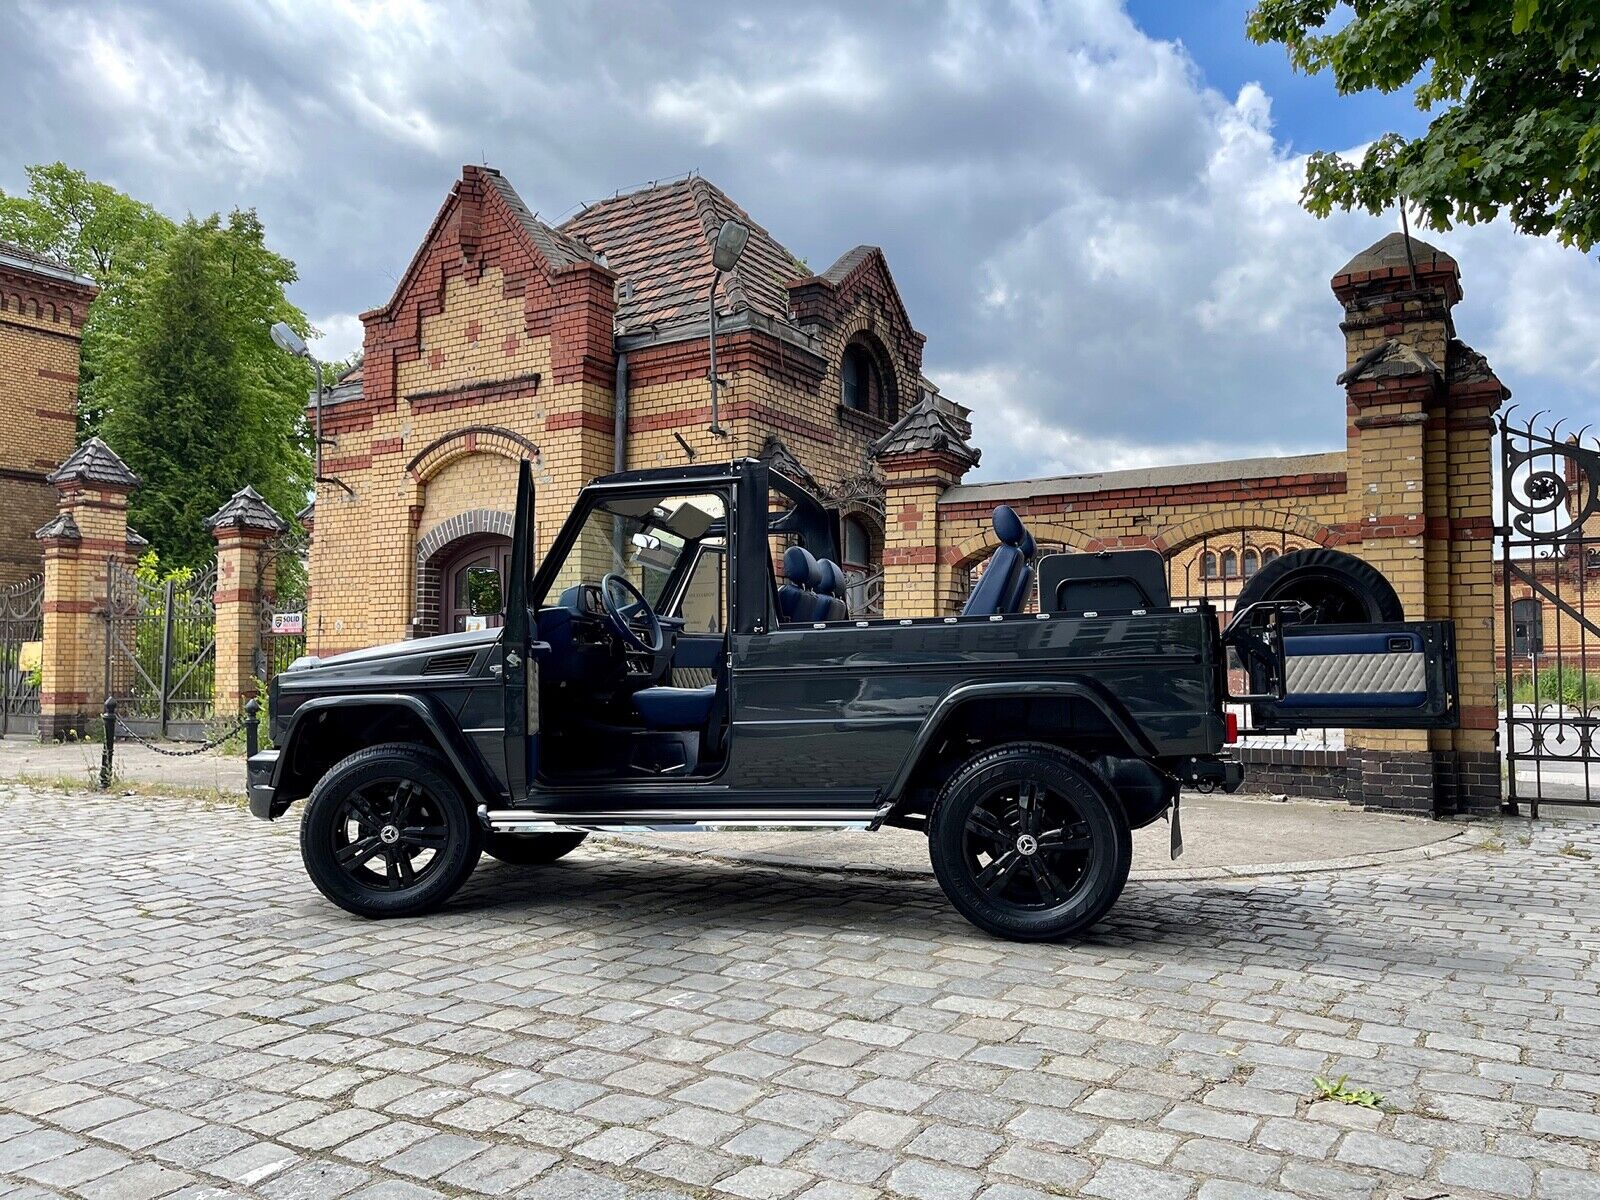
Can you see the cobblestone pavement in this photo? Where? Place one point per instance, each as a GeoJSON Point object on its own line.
{"type": "Point", "coordinates": [181, 1015]}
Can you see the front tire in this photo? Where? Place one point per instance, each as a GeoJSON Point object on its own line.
{"type": "Point", "coordinates": [531, 849]}
{"type": "Point", "coordinates": [1029, 842]}
{"type": "Point", "coordinates": [387, 832]}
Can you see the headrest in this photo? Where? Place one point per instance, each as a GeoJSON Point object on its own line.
{"type": "Point", "coordinates": [1029, 547]}
{"type": "Point", "coordinates": [1007, 525]}
{"type": "Point", "coordinates": [832, 581]}
{"type": "Point", "coordinates": [799, 568]}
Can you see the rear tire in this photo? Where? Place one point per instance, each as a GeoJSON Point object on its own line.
{"type": "Point", "coordinates": [1029, 842]}
{"type": "Point", "coordinates": [531, 849]}
{"type": "Point", "coordinates": [387, 832]}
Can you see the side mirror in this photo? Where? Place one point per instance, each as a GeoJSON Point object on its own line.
{"type": "Point", "coordinates": [484, 595]}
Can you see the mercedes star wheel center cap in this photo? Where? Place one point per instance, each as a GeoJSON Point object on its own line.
{"type": "Point", "coordinates": [389, 835]}
{"type": "Point", "coordinates": [1027, 844]}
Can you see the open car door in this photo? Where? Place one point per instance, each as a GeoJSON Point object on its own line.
{"type": "Point", "coordinates": [1389, 675]}
{"type": "Point", "coordinates": [519, 672]}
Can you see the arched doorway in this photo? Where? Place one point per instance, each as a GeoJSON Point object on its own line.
{"type": "Point", "coordinates": [461, 567]}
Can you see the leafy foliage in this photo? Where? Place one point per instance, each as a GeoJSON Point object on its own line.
{"type": "Point", "coordinates": [179, 371]}
{"type": "Point", "coordinates": [96, 231]}
{"type": "Point", "coordinates": [1517, 83]}
{"type": "Point", "coordinates": [198, 400]}
{"type": "Point", "coordinates": [1339, 1093]}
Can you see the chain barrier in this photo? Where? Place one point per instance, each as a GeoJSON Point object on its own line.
{"type": "Point", "coordinates": [249, 722]}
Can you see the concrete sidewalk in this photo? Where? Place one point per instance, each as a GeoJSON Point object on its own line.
{"type": "Point", "coordinates": [1224, 836]}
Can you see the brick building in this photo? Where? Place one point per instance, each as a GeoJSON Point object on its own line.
{"type": "Point", "coordinates": [42, 306]}
{"type": "Point", "coordinates": [584, 347]}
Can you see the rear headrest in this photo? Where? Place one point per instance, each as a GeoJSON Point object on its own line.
{"type": "Point", "coordinates": [1029, 547]}
{"type": "Point", "coordinates": [799, 568]}
{"type": "Point", "coordinates": [832, 581]}
{"type": "Point", "coordinates": [1007, 525]}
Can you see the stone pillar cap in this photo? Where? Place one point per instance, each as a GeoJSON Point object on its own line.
{"type": "Point", "coordinates": [925, 429]}
{"type": "Point", "coordinates": [96, 464]}
{"type": "Point", "coordinates": [246, 509]}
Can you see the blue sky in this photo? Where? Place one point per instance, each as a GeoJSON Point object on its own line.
{"type": "Point", "coordinates": [1090, 207]}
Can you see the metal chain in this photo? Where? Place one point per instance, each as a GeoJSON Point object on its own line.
{"type": "Point", "coordinates": [200, 749]}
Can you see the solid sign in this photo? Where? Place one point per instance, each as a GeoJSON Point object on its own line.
{"type": "Point", "coordinates": [473, 624]}
{"type": "Point", "coordinates": [288, 623]}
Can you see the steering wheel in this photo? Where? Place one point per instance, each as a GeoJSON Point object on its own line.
{"type": "Point", "coordinates": [627, 608]}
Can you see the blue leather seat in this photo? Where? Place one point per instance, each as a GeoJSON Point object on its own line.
{"type": "Point", "coordinates": [830, 605]}
{"type": "Point", "coordinates": [801, 574]}
{"type": "Point", "coordinates": [1006, 580]}
{"type": "Point", "coordinates": [674, 707]}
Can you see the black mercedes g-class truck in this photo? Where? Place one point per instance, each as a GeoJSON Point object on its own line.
{"type": "Point", "coordinates": [684, 658]}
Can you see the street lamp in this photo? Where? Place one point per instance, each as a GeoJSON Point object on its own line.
{"type": "Point", "coordinates": [291, 342]}
{"type": "Point", "coordinates": [731, 239]}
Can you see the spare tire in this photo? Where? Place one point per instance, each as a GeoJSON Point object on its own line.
{"type": "Point", "coordinates": [1340, 588]}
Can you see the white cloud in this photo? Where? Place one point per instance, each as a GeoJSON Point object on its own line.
{"type": "Point", "coordinates": [338, 336]}
{"type": "Point", "coordinates": [1108, 256]}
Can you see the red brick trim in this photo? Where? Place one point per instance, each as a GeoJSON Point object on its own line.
{"type": "Point", "coordinates": [70, 606]}
{"type": "Point", "coordinates": [1392, 420]}
{"type": "Point", "coordinates": [477, 392]}
{"type": "Point", "coordinates": [59, 376]}
{"type": "Point", "coordinates": [1385, 526]}
{"type": "Point", "coordinates": [51, 300]}
{"type": "Point", "coordinates": [1461, 529]}
{"type": "Point", "coordinates": [580, 418]}
{"type": "Point", "coordinates": [919, 556]}
{"type": "Point", "coordinates": [746, 350]}
{"type": "Point", "coordinates": [247, 595]}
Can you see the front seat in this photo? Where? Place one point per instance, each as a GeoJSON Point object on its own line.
{"type": "Point", "coordinates": [1004, 586]}
{"type": "Point", "coordinates": [675, 707]}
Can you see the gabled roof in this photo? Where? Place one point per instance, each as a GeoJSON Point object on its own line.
{"type": "Point", "coordinates": [246, 509]}
{"type": "Point", "coordinates": [60, 526]}
{"type": "Point", "coordinates": [658, 242]}
{"type": "Point", "coordinates": [20, 258]}
{"type": "Point", "coordinates": [558, 249]}
{"type": "Point", "coordinates": [97, 463]}
{"type": "Point", "coordinates": [925, 428]}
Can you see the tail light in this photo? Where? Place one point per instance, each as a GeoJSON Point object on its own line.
{"type": "Point", "coordinates": [1230, 733]}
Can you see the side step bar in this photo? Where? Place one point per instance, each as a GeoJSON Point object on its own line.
{"type": "Point", "coordinates": [675, 820]}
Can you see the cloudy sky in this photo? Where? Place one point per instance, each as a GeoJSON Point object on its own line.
{"type": "Point", "coordinates": [1090, 206]}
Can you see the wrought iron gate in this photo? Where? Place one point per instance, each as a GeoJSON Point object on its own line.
{"type": "Point", "coordinates": [281, 585]}
{"type": "Point", "coordinates": [1548, 560]}
{"type": "Point", "coordinates": [161, 640]}
{"type": "Point", "coordinates": [21, 655]}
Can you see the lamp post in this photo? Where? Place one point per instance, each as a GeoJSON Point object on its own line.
{"type": "Point", "coordinates": [291, 342]}
{"type": "Point", "coordinates": [731, 239]}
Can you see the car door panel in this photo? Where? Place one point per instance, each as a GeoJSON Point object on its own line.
{"type": "Point", "coordinates": [1397, 675]}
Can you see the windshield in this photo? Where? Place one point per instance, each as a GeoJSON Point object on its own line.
{"type": "Point", "coordinates": [641, 538]}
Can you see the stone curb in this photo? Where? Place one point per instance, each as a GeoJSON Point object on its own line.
{"type": "Point", "coordinates": [1456, 843]}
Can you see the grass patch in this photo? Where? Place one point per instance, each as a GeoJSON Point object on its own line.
{"type": "Point", "coordinates": [73, 785]}
{"type": "Point", "coordinates": [1340, 1093]}
{"type": "Point", "coordinates": [1572, 850]}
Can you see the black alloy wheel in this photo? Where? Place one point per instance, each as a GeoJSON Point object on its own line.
{"type": "Point", "coordinates": [387, 832]}
{"type": "Point", "coordinates": [1026, 845]}
{"type": "Point", "coordinates": [1029, 842]}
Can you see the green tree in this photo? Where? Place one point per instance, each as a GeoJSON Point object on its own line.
{"type": "Point", "coordinates": [1517, 85]}
{"type": "Point", "coordinates": [99, 232]}
{"type": "Point", "coordinates": [197, 399]}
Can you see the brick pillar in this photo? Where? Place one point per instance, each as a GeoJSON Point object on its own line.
{"type": "Point", "coordinates": [1419, 454]}
{"type": "Point", "coordinates": [921, 458]}
{"type": "Point", "coordinates": [89, 532]}
{"type": "Point", "coordinates": [245, 528]}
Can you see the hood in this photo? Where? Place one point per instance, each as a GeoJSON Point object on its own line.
{"type": "Point", "coordinates": [428, 645]}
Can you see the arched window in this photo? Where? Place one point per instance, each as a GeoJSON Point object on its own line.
{"type": "Point", "coordinates": [858, 374]}
{"type": "Point", "coordinates": [1251, 563]}
{"type": "Point", "coordinates": [1268, 555]}
{"type": "Point", "coordinates": [857, 545]}
{"type": "Point", "coordinates": [1230, 565]}
{"type": "Point", "coordinates": [1208, 565]}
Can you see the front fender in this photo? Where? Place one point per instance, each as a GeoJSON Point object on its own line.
{"type": "Point", "coordinates": [1073, 689]}
{"type": "Point", "coordinates": [270, 771]}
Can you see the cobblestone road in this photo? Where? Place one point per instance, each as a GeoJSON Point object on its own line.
{"type": "Point", "coordinates": [180, 1014]}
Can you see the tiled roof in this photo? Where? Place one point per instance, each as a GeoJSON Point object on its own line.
{"type": "Point", "coordinates": [659, 240]}
{"type": "Point", "coordinates": [847, 262]}
{"type": "Point", "coordinates": [60, 526]}
{"type": "Point", "coordinates": [13, 255]}
{"type": "Point", "coordinates": [346, 387]}
{"type": "Point", "coordinates": [1182, 475]}
{"type": "Point", "coordinates": [558, 249]}
{"type": "Point", "coordinates": [924, 428]}
{"type": "Point", "coordinates": [94, 462]}
{"type": "Point", "coordinates": [1390, 251]}
{"type": "Point", "coordinates": [246, 509]}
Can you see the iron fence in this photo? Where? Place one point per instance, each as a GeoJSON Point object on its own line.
{"type": "Point", "coordinates": [21, 655]}
{"type": "Point", "coordinates": [160, 652]}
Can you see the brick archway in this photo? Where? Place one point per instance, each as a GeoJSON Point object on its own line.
{"type": "Point", "coordinates": [437, 545]}
{"type": "Point", "coordinates": [1176, 538]}
{"type": "Point", "coordinates": [474, 439]}
{"type": "Point", "coordinates": [980, 545]}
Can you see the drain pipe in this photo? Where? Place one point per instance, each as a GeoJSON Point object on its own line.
{"type": "Point", "coordinates": [619, 453]}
